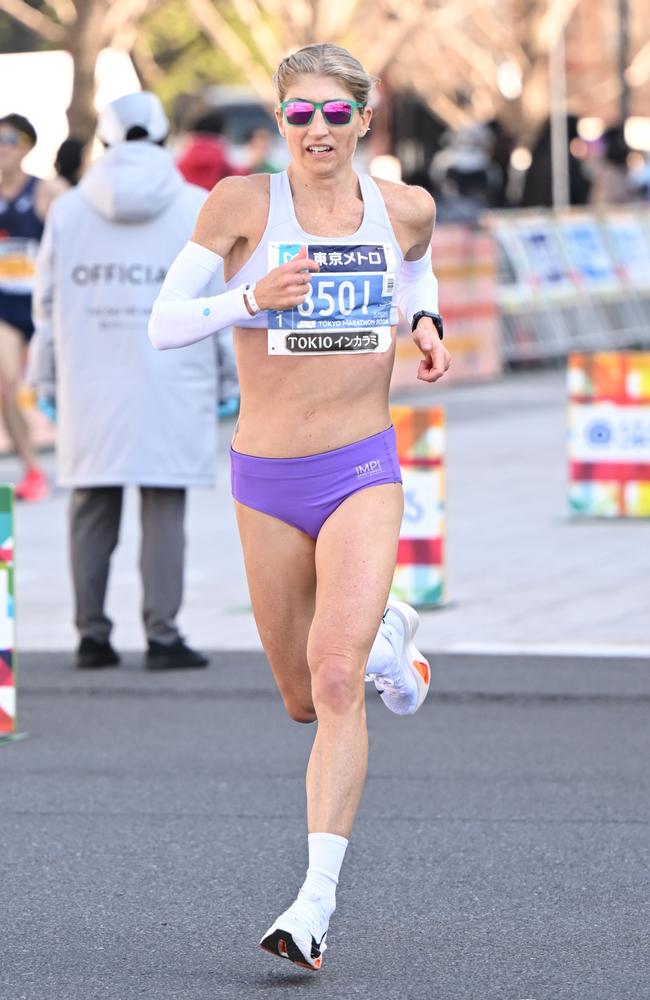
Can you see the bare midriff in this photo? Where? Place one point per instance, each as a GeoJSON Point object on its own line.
{"type": "Point", "coordinates": [304, 406]}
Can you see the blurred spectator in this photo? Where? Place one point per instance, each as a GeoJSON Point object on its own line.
{"type": "Point", "coordinates": [69, 160]}
{"type": "Point", "coordinates": [24, 200]}
{"type": "Point", "coordinates": [129, 415]}
{"type": "Point", "coordinates": [640, 180]}
{"type": "Point", "coordinates": [538, 183]}
{"type": "Point", "coordinates": [204, 160]}
{"type": "Point", "coordinates": [464, 174]}
{"type": "Point", "coordinates": [610, 185]}
{"type": "Point", "coordinates": [258, 152]}
{"type": "Point", "coordinates": [500, 153]}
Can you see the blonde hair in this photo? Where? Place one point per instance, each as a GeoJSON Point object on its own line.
{"type": "Point", "coordinates": [325, 59]}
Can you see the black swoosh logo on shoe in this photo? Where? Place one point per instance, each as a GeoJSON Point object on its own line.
{"type": "Point", "coordinates": [316, 945]}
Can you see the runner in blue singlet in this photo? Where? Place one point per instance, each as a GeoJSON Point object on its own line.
{"type": "Point", "coordinates": [24, 201]}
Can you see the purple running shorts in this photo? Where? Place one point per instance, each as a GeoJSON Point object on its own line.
{"type": "Point", "coordinates": [304, 491]}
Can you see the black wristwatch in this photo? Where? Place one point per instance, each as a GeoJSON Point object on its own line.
{"type": "Point", "coordinates": [436, 317]}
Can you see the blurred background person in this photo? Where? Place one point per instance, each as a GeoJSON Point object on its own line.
{"type": "Point", "coordinates": [500, 150]}
{"type": "Point", "coordinates": [466, 179]}
{"type": "Point", "coordinates": [128, 415]}
{"type": "Point", "coordinates": [24, 201]}
{"type": "Point", "coordinates": [258, 152]}
{"type": "Point", "coordinates": [69, 161]}
{"type": "Point", "coordinates": [609, 174]}
{"type": "Point", "coordinates": [538, 183]}
{"type": "Point", "coordinates": [639, 180]}
{"type": "Point", "coordinates": [204, 160]}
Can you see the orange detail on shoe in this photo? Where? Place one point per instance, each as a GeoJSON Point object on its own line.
{"type": "Point", "coordinates": [424, 669]}
{"type": "Point", "coordinates": [282, 948]}
{"type": "Point", "coordinates": [317, 963]}
{"type": "Point", "coordinates": [305, 965]}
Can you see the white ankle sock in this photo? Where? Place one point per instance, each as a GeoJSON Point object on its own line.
{"type": "Point", "coordinates": [326, 853]}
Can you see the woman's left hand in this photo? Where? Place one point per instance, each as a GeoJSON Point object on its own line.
{"type": "Point", "coordinates": [436, 359]}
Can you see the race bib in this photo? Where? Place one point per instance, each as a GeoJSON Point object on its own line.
{"type": "Point", "coordinates": [348, 307]}
{"type": "Point", "coordinates": [17, 265]}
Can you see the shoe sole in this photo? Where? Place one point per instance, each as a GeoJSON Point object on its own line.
{"type": "Point", "coordinates": [173, 665]}
{"type": "Point", "coordinates": [281, 944]}
{"type": "Point", "coordinates": [81, 665]}
{"type": "Point", "coordinates": [415, 661]}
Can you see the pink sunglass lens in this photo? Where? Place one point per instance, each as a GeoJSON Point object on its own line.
{"type": "Point", "coordinates": [299, 112]}
{"type": "Point", "coordinates": [337, 112]}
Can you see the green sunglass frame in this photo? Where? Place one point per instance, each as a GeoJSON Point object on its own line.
{"type": "Point", "coordinates": [318, 106]}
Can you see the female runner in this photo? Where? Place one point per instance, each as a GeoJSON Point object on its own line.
{"type": "Point", "coordinates": [317, 260]}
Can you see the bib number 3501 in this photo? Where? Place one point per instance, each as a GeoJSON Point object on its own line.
{"type": "Point", "coordinates": [335, 297]}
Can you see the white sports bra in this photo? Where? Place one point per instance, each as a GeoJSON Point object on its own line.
{"type": "Point", "coordinates": [358, 272]}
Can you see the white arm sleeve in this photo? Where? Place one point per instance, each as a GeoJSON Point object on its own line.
{"type": "Point", "coordinates": [417, 287]}
{"type": "Point", "coordinates": [179, 317]}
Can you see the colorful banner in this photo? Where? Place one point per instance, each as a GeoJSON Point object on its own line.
{"type": "Point", "coordinates": [466, 265]}
{"type": "Point", "coordinates": [7, 678]}
{"type": "Point", "coordinates": [419, 574]}
{"type": "Point", "coordinates": [628, 242]}
{"type": "Point", "coordinates": [591, 264]}
{"type": "Point", "coordinates": [609, 434]}
{"type": "Point", "coordinates": [548, 271]}
{"type": "Point", "coordinates": [570, 281]}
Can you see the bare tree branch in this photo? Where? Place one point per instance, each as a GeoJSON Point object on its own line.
{"type": "Point", "coordinates": [474, 56]}
{"type": "Point", "coordinates": [65, 10]}
{"type": "Point", "coordinates": [223, 36]}
{"type": "Point", "coordinates": [34, 20]}
{"type": "Point", "coordinates": [261, 33]}
{"type": "Point", "coordinates": [392, 38]}
{"type": "Point", "coordinates": [123, 12]}
{"type": "Point", "coordinates": [639, 69]}
{"type": "Point", "coordinates": [333, 18]}
{"type": "Point", "coordinates": [555, 21]}
{"type": "Point", "coordinates": [145, 63]}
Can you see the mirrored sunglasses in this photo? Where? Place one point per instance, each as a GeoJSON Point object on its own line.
{"type": "Point", "coordinates": [299, 112]}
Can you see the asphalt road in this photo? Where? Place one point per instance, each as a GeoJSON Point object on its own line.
{"type": "Point", "coordinates": [152, 828]}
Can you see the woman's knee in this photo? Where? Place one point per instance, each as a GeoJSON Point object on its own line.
{"type": "Point", "coordinates": [337, 679]}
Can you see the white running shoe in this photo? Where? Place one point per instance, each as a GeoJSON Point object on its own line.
{"type": "Point", "coordinates": [296, 936]}
{"type": "Point", "coordinates": [402, 679]}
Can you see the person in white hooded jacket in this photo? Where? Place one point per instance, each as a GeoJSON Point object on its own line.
{"type": "Point", "coordinates": [127, 415]}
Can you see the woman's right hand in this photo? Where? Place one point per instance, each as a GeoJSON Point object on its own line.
{"type": "Point", "coordinates": [286, 285]}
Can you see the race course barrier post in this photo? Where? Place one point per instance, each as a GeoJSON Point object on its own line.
{"type": "Point", "coordinates": [419, 574]}
{"type": "Point", "coordinates": [609, 434]}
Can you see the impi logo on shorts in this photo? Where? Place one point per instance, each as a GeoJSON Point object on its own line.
{"type": "Point", "coordinates": [368, 469]}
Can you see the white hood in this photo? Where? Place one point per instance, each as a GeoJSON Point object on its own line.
{"type": "Point", "coordinates": [132, 182]}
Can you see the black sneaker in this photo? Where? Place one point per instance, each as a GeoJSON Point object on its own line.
{"type": "Point", "coordinates": [177, 656]}
{"type": "Point", "coordinates": [92, 654]}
